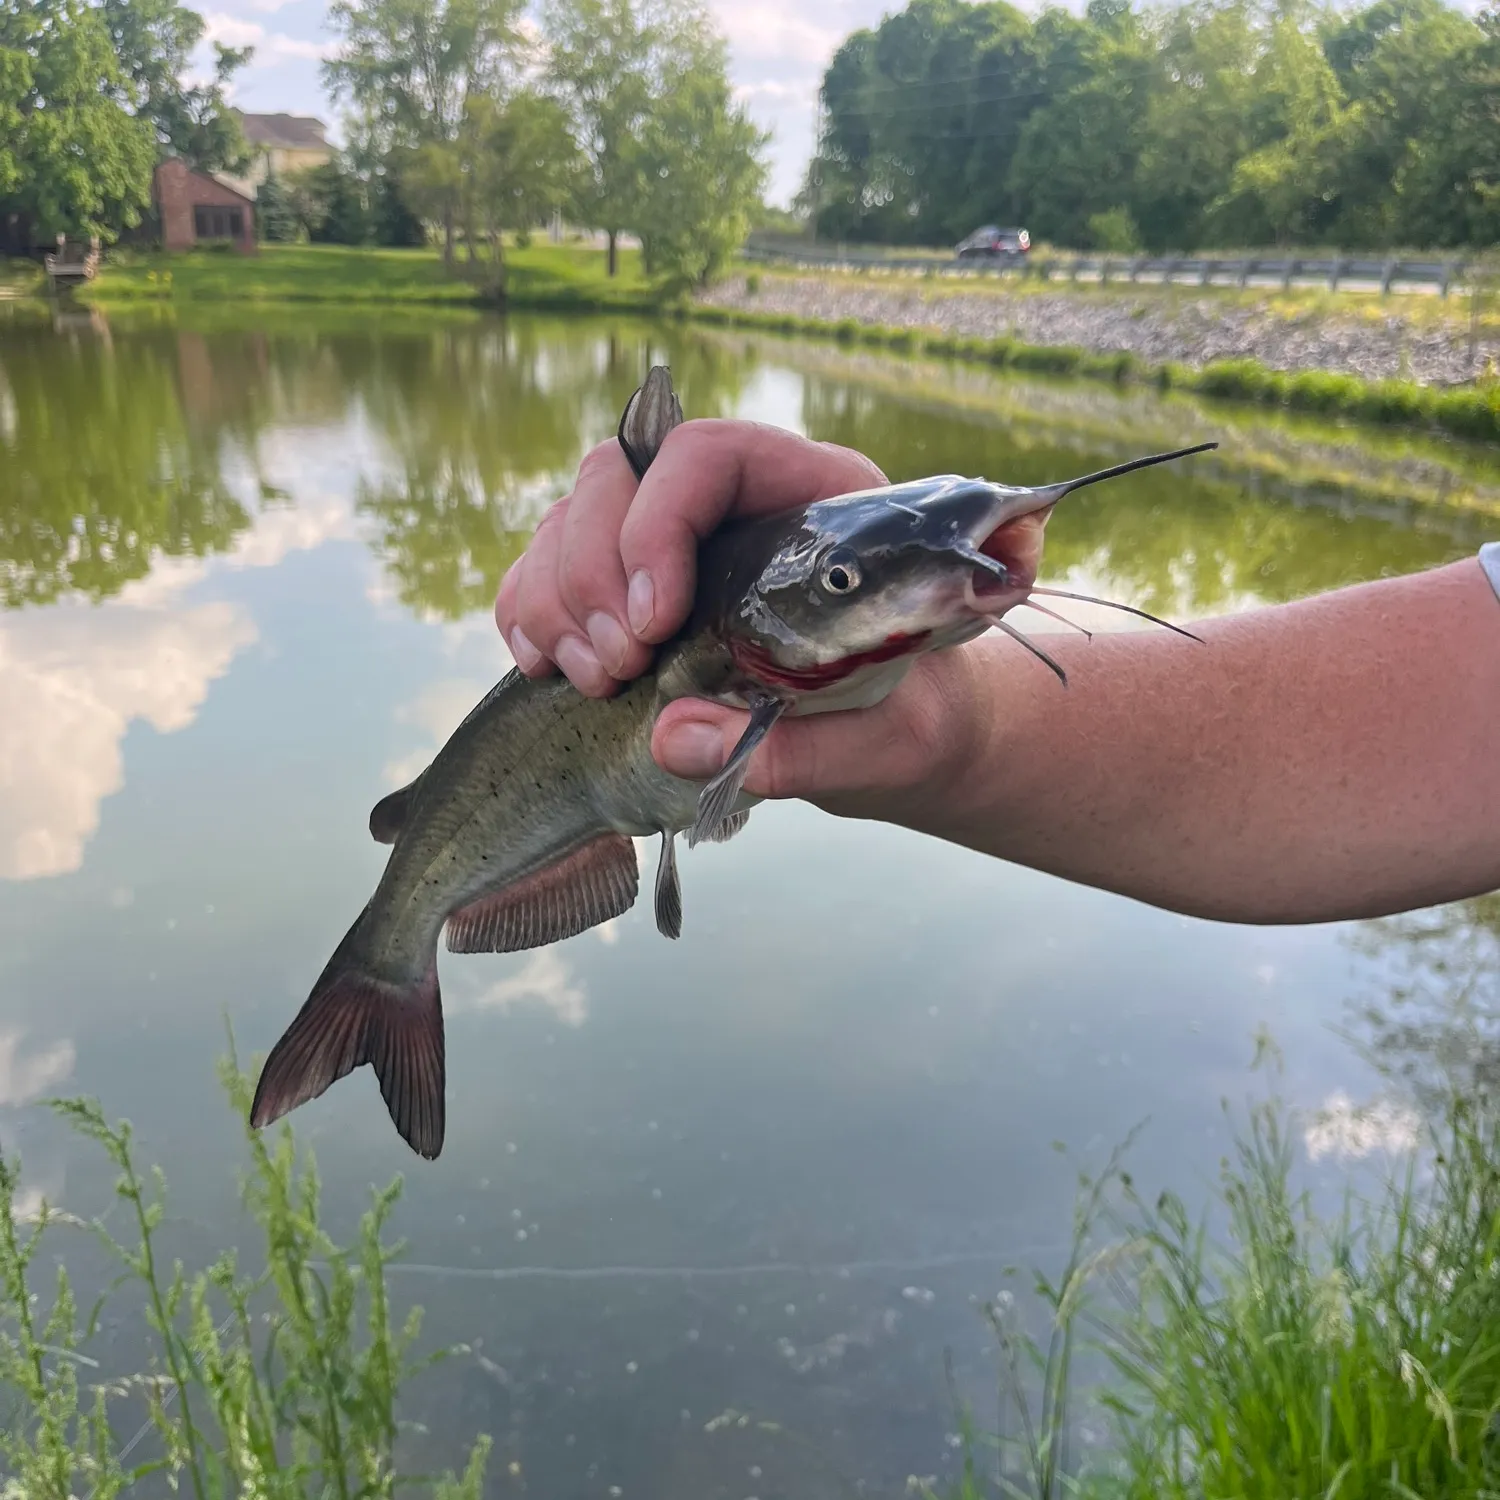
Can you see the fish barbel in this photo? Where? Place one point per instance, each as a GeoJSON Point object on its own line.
{"type": "Point", "coordinates": [520, 832]}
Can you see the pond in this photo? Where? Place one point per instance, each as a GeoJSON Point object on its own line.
{"type": "Point", "coordinates": [247, 560]}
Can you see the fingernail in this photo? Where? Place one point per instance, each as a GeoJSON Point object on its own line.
{"type": "Point", "coordinates": [579, 663]}
{"type": "Point", "coordinates": [640, 602]}
{"type": "Point", "coordinates": [694, 750]}
{"type": "Point", "coordinates": [609, 641]}
{"type": "Point", "coordinates": [528, 658]}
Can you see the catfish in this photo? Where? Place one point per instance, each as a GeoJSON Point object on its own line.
{"type": "Point", "coordinates": [520, 833]}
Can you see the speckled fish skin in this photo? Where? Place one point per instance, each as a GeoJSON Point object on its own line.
{"type": "Point", "coordinates": [520, 832]}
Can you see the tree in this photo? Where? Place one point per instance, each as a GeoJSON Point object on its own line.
{"type": "Point", "coordinates": [153, 42]}
{"type": "Point", "coordinates": [600, 55]}
{"type": "Point", "coordinates": [523, 165]}
{"type": "Point", "coordinates": [276, 219]}
{"type": "Point", "coordinates": [703, 174]}
{"type": "Point", "coordinates": [413, 66]}
{"type": "Point", "coordinates": [74, 158]}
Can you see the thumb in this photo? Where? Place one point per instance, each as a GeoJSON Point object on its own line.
{"type": "Point", "coordinates": [821, 756]}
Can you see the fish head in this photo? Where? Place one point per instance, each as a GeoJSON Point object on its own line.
{"type": "Point", "coordinates": [881, 575]}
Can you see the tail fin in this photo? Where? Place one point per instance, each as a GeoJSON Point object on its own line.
{"type": "Point", "coordinates": [352, 1018]}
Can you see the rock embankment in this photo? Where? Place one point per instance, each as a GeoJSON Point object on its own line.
{"type": "Point", "coordinates": [1156, 325]}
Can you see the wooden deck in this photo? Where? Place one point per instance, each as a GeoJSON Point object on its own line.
{"type": "Point", "coordinates": [75, 264]}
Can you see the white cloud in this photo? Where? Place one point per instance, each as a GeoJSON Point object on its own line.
{"type": "Point", "coordinates": [544, 980]}
{"type": "Point", "coordinates": [73, 680]}
{"type": "Point", "coordinates": [282, 45]}
{"type": "Point", "coordinates": [232, 31]}
{"type": "Point", "coordinates": [437, 711]}
{"type": "Point", "coordinates": [1343, 1129]}
{"type": "Point", "coordinates": [23, 1079]}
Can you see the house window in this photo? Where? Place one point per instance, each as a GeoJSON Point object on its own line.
{"type": "Point", "coordinates": [211, 223]}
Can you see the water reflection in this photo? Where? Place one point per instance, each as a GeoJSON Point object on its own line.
{"type": "Point", "coordinates": [762, 1169]}
{"type": "Point", "coordinates": [1433, 1021]}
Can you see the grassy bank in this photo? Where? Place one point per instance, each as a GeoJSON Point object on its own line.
{"type": "Point", "coordinates": [556, 276]}
{"type": "Point", "coordinates": [281, 1382]}
{"type": "Point", "coordinates": [1464, 411]}
{"type": "Point", "coordinates": [1291, 1356]}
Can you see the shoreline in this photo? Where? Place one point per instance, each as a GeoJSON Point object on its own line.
{"type": "Point", "coordinates": [1470, 412]}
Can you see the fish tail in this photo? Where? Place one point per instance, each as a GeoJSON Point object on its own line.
{"type": "Point", "coordinates": [356, 1016]}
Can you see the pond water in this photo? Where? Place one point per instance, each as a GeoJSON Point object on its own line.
{"type": "Point", "coordinates": [247, 564]}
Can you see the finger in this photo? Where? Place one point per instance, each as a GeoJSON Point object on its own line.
{"type": "Point", "coordinates": [706, 470]}
{"type": "Point", "coordinates": [591, 576]}
{"type": "Point", "coordinates": [901, 742]}
{"type": "Point", "coordinates": [543, 622]}
{"type": "Point", "coordinates": [505, 599]}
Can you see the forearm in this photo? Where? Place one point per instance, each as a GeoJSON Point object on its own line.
{"type": "Point", "coordinates": [1330, 759]}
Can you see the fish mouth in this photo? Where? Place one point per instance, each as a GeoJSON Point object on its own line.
{"type": "Point", "coordinates": [1003, 562]}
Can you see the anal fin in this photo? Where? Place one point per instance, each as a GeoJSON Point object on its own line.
{"type": "Point", "coordinates": [729, 827]}
{"type": "Point", "coordinates": [668, 889]}
{"type": "Point", "coordinates": [595, 882]}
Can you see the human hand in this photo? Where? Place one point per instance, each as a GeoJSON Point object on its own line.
{"type": "Point", "coordinates": [610, 574]}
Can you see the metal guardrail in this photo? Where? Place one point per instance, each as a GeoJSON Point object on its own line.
{"type": "Point", "coordinates": [1387, 274]}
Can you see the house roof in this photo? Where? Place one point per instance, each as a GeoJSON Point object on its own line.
{"type": "Point", "coordinates": [288, 132]}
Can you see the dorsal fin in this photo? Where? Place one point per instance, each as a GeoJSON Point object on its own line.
{"type": "Point", "coordinates": [388, 816]}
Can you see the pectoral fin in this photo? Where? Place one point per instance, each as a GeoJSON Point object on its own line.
{"type": "Point", "coordinates": [717, 799]}
{"type": "Point", "coordinates": [668, 889]}
{"type": "Point", "coordinates": [579, 891]}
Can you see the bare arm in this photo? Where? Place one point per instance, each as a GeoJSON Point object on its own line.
{"type": "Point", "coordinates": [1334, 758]}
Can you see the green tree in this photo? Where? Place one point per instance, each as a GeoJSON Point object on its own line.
{"type": "Point", "coordinates": [600, 61]}
{"type": "Point", "coordinates": [521, 165]}
{"type": "Point", "coordinates": [276, 219]}
{"type": "Point", "coordinates": [703, 174]}
{"type": "Point", "coordinates": [154, 41]}
{"type": "Point", "coordinates": [73, 159]}
{"type": "Point", "coordinates": [414, 65]}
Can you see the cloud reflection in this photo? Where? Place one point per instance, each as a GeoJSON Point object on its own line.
{"type": "Point", "coordinates": [25, 1077]}
{"type": "Point", "coordinates": [1346, 1130]}
{"type": "Point", "coordinates": [544, 979]}
{"type": "Point", "coordinates": [73, 680]}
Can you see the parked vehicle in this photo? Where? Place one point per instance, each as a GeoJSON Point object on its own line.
{"type": "Point", "coordinates": [994, 244]}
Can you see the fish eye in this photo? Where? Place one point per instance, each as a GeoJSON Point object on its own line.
{"type": "Point", "coordinates": [840, 574]}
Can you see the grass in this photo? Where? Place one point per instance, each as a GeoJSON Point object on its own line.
{"type": "Point", "coordinates": [1292, 1356]}
{"type": "Point", "coordinates": [20, 277]}
{"type": "Point", "coordinates": [1296, 1357]}
{"type": "Point", "coordinates": [1470, 411]}
{"type": "Point", "coordinates": [539, 276]}
{"type": "Point", "coordinates": [275, 1384]}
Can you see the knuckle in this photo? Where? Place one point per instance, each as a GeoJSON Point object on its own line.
{"type": "Point", "coordinates": [602, 462]}
{"type": "Point", "coordinates": [863, 470]}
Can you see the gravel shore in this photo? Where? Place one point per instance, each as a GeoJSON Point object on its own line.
{"type": "Point", "coordinates": [1188, 327]}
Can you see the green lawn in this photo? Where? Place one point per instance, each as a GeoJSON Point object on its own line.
{"type": "Point", "coordinates": [541, 275]}
{"type": "Point", "coordinates": [18, 277]}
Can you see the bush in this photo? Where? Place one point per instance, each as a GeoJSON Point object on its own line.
{"type": "Point", "coordinates": [283, 1383]}
{"type": "Point", "coordinates": [1114, 232]}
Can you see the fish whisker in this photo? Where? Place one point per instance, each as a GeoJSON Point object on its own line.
{"type": "Point", "coordinates": [1128, 609]}
{"type": "Point", "coordinates": [1031, 646]}
{"type": "Point", "coordinates": [1052, 614]}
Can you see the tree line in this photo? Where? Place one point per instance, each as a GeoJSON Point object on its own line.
{"type": "Point", "coordinates": [1211, 123]}
{"type": "Point", "coordinates": [463, 115]}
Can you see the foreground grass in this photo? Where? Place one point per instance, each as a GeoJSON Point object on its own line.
{"type": "Point", "coordinates": [1471, 412]}
{"type": "Point", "coordinates": [1295, 1357]}
{"type": "Point", "coordinates": [538, 276]}
{"type": "Point", "coordinates": [20, 277]}
{"type": "Point", "coordinates": [277, 1384]}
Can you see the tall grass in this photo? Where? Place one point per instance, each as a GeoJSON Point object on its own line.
{"type": "Point", "coordinates": [277, 1383]}
{"type": "Point", "coordinates": [1292, 1356]}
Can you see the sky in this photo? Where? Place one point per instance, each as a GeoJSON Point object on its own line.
{"type": "Point", "coordinates": [778, 50]}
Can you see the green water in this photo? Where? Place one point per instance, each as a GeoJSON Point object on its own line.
{"type": "Point", "coordinates": [247, 567]}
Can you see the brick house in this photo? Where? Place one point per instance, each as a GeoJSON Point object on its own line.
{"type": "Point", "coordinates": [194, 208]}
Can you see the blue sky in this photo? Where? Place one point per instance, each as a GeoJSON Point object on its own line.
{"type": "Point", "coordinates": [778, 51]}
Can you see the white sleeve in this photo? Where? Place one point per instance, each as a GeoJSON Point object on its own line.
{"type": "Point", "coordinates": [1489, 560]}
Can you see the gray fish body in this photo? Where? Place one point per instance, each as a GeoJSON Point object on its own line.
{"type": "Point", "coordinates": [520, 833]}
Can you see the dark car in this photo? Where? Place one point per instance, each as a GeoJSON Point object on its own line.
{"type": "Point", "coordinates": [992, 243]}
